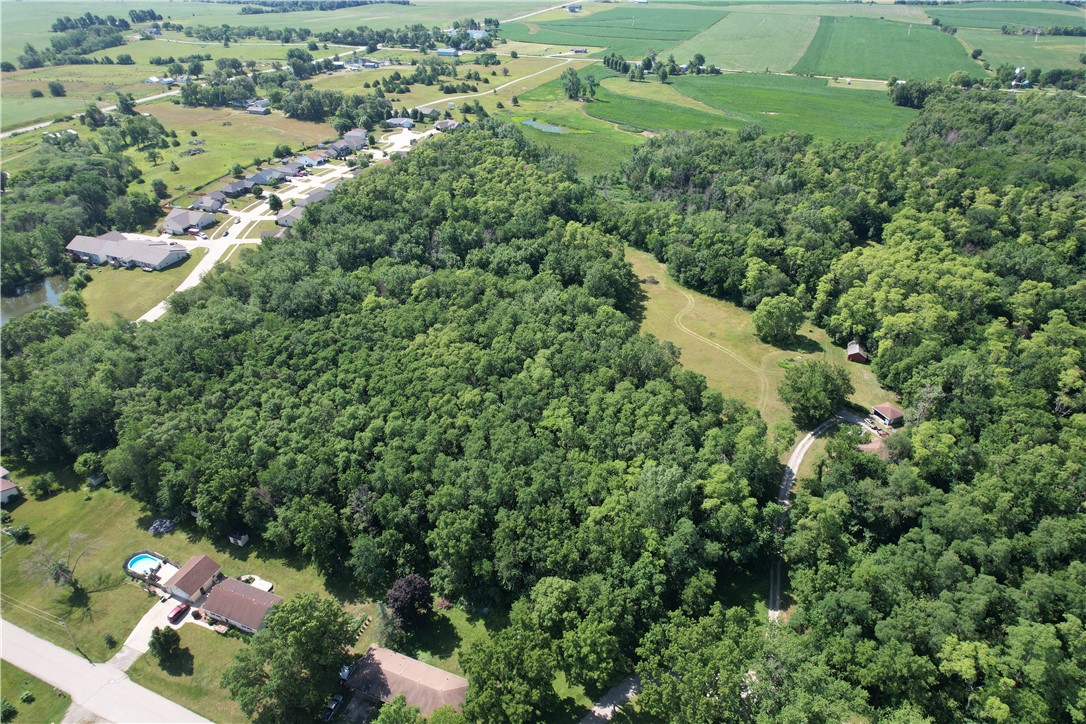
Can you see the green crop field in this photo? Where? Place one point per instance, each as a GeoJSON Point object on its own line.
{"type": "Point", "coordinates": [652, 115]}
{"type": "Point", "coordinates": [631, 32]}
{"type": "Point", "coordinates": [878, 11]}
{"type": "Point", "coordinates": [880, 49]}
{"type": "Point", "coordinates": [807, 105]}
{"type": "Point", "coordinates": [752, 41]}
{"type": "Point", "coordinates": [1013, 14]}
{"type": "Point", "coordinates": [1046, 51]}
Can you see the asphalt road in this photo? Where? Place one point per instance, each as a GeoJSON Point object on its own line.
{"type": "Point", "coordinates": [100, 689]}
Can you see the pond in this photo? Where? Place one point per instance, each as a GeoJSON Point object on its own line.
{"type": "Point", "coordinates": [545, 127]}
{"type": "Point", "coordinates": [31, 297]}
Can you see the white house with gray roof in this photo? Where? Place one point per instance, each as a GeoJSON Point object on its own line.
{"type": "Point", "coordinates": [179, 221]}
{"type": "Point", "coordinates": [151, 254]}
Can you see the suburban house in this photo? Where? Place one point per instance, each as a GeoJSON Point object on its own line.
{"type": "Point", "coordinates": [315, 197]}
{"type": "Point", "coordinates": [293, 168]}
{"type": "Point", "coordinates": [447, 53]}
{"type": "Point", "coordinates": [428, 111]}
{"type": "Point", "coordinates": [239, 604]}
{"type": "Point", "coordinates": [288, 217]}
{"type": "Point", "coordinates": [445, 125]}
{"type": "Point", "coordinates": [152, 254]}
{"type": "Point", "coordinates": [356, 139]}
{"type": "Point", "coordinates": [314, 158]}
{"type": "Point", "coordinates": [889, 414]}
{"type": "Point", "coordinates": [8, 489]}
{"type": "Point", "coordinates": [265, 177]}
{"type": "Point", "coordinates": [210, 203]}
{"type": "Point", "coordinates": [194, 579]}
{"type": "Point", "coordinates": [340, 149]}
{"type": "Point", "coordinates": [179, 221]}
{"type": "Point", "coordinates": [383, 675]}
{"type": "Point", "coordinates": [856, 352]}
{"type": "Point", "coordinates": [237, 188]}
{"type": "Point", "coordinates": [400, 122]}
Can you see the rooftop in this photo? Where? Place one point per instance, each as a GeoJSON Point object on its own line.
{"type": "Point", "coordinates": [384, 674]}
{"type": "Point", "coordinates": [194, 574]}
{"type": "Point", "coordinates": [239, 602]}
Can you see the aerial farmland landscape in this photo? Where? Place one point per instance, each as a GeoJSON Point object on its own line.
{"type": "Point", "coordinates": [409, 361]}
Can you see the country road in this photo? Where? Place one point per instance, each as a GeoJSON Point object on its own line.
{"type": "Point", "coordinates": [105, 109]}
{"type": "Point", "coordinates": [784, 497]}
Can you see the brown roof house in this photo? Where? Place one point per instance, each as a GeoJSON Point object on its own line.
{"type": "Point", "coordinates": [384, 674]}
{"type": "Point", "coordinates": [239, 604]}
{"type": "Point", "coordinates": [194, 579]}
{"type": "Point", "coordinates": [892, 416]}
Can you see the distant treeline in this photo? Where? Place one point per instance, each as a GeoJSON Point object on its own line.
{"type": "Point", "coordinates": [414, 36]}
{"type": "Point", "coordinates": [1075, 30]}
{"type": "Point", "coordinates": [82, 22]}
{"type": "Point", "coordinates": [259, 7]}
{"type": "Point", "coordinates": [70, 47]}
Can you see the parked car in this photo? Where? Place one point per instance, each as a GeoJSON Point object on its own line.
{"type": "Point", "coordinates": [178, 612]}
{"type": "Point", "coordinates": [331, 707]}
{"type": "Point", "coordinates": [345, 672]}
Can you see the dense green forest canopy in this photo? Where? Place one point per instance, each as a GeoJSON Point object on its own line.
{"type": "Point", "coordinates": [439, 371]}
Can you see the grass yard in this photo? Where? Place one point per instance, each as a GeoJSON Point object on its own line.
{"type": "Point", "coordinates": [1045, 52]}
{"type": "Point", "coordinates": [230, 136]}
{"type": "Point", "coordinates": [717, 340]}
{"type": "Point", "coordinates": [1013, 14]}
{"type": "Point", "coordinates": [192, 678]}
{"type": "Point", "coordinates": [880, 49]}
{"type": "Point", "coordinates": [49, 704]}
{"type": "Point", "coordinates": [116, 525]}
{"type": "Point", "coordinates": [132, 292]}
{"type": "Point", "coordinates": [809, 105]}
{"type": "Point", "coordinates": [630, 31]}
{"type": "Point", "coordinates": [752, 41]}
{"type": "Point", "coordinates": [255, 230]}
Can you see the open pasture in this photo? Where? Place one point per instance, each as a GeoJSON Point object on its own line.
{"type": "Point", "coordinates": [881, 49]}
{"type": "Point", "coordinates": [806, 105]}
{"type": "Point", "coordinates": [752, 41]}
{"type": "Point", "coordinates": [1011, 14]}
{"type": "Point", "coordinates": [1045, 52]}
{"type": "Point", "coordinates": [631, 31]}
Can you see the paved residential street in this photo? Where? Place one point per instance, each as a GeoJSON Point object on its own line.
{"type": "Point", "coordinates": [100, 689]}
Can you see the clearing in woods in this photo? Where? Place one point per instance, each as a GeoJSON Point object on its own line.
{"type": "Point", "coordinates": [880, 49]}
{"type": "Point", "coordinates": [752, 41]}
{"type": "Point", "coordinates": [717, 340]}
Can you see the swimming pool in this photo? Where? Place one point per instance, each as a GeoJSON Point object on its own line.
{"type": "Point", "coordinates": [143, 564]}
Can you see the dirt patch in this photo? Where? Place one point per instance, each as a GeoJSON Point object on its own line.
{"type": "Point", "coordinates": [770, 113]}
{"type": "Point", "coordinates": [532, 28]}
{"type": "Point", "coordinates": [649, 134]}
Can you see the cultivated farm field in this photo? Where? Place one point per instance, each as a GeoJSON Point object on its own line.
{"type": "Point", "coordinates": [752, 41]}
{"type": "Point", "coordinates": [1012, 14]}
{"type": "Point", "coordinates": [879, 49]}
{"type": "Point", "coordinates": [1045, 52]}
{"type": "Point", "coordinates": [631, 32]}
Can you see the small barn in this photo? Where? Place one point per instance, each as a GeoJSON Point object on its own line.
{"type": "Point", "coordinates": [888, 414]}
{"type": "Point", "coordinates": [856, 352]}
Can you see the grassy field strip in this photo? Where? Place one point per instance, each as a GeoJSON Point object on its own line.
{"type": "Point", "coordinates": [665, 93]}
{"type": "Point", "coordinates": [1013, 14]}
{"type": "Point", "coordinates": [752, 41]}
{"type": "Point", "coordinates": [878, 49]}
{"type": "Point", "coordinates": [1045, 51]}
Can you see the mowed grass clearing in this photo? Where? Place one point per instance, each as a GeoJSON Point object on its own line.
{"type": "Point", "coordinates": [717, 340]}
{"type": "Point", "coordinates": [131, 292]}
{"type": "Point", "coordinates": [1045, 51]}
{"type": "Point", "coordinates": [752, 41]}
{"type": "Point", "coordinates": [807, 105]}
{"type": "Point", "coordinates": [116, 526]}
{"type": "Point", "coordinates": [192, 677]}
{"type": "Point", "coordinates": [631, 32]}
{"type": "Point", "coordinates": [881, 49]}
{"type": "Point", "coordinates": [229, 136]}
{"type": "Point", "coordinates": [1012, 14]}
{"type": "Point", "coordinates": [49, 704]}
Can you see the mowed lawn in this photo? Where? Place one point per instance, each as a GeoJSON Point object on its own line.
{"type": "Point", "coordinates": [1012, 14]}
{"type": "Point", "coordinates": [752, 41]}
{"type": "Point", "coordinates": [132, 292]}
{"type": "Point", "coordinates": [49, 704]}
{"type": "Point", "coordinates": [880, 49]}
{"type": "Point", "coordinates": [229, 136]}
{"type": "Point", "coordinates": [116, 526]}
{"type": "Point", "coordinates": [1045, 52]}
{"type": "Point", "coordinates": [192, 677]}
{"type": "Point", "coordinates": [717, 340]}
{"type": "Point", "coordinates": [629, 31]}
{"type": "Point", "coordinates": [808, 105]}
